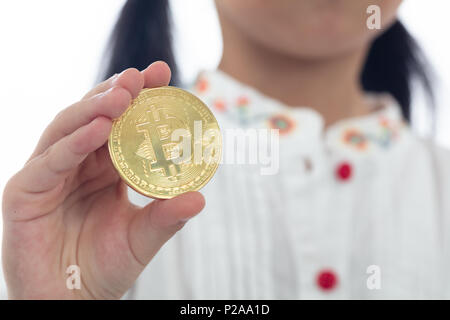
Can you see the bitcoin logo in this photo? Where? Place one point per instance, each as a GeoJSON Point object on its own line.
{"type": "Point", "coordinates": [145, 145]}
{"type": "Point", "coordinates": [157, 125]}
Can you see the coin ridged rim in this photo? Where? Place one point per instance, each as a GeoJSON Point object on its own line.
{"type": "Point", "coordinates": [127, 180]}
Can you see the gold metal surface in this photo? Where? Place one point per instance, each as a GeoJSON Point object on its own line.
{"type": "Point", "coordinates": [166, 143]}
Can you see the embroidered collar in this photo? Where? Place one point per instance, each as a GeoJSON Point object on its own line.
{"type": "Point", "coordinates": [246, 107]}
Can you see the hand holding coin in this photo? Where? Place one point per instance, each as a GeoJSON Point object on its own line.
{"type": "Point", "coordinates": [166, 143]}
{"type": "Point", "coordinates": [69, 206]}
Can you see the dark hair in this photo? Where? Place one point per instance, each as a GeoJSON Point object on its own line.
{"type": "Point", "coordinates": [394, 61]}
{"type": "Point", "coordinates": [143, 34]}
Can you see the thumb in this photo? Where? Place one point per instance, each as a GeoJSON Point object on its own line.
{"type": "Point", "coordinates": [156, 223]}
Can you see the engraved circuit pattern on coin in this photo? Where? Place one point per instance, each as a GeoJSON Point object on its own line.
{"type": "Point", "coordinates": [142, 150]}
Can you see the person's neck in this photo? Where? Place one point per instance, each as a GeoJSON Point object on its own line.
{"type": "Point", "coordinates": [331, 86]}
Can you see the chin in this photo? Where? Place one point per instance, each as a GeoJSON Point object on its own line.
{"type": "Point", "coordinates": [326, 47]}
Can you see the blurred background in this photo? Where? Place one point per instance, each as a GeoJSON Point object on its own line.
{"type": "Point", "coordinates": [51, 52]}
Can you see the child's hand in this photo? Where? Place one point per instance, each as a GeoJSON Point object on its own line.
{"type": "Point", "coordinates": [68, 206]}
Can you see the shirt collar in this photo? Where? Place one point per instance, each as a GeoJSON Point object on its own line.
{"type": "Point", "coordinates": [244, 107]}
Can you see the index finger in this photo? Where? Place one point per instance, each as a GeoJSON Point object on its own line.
{"type": "Point", "coordinates": [157, 75]}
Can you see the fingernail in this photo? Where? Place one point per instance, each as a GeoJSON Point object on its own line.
{"type": "Point", "coordinates": [150, 65]}
{"type": "Point", "coordinates": [109, 90]}
{"type": "Point", "coordinates": [104, 93]}
{"type": "Point", "coordinates": [115, 77]}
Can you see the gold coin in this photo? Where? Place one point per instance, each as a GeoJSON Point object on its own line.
{"type": "Point", "coordinates": [166, 143]}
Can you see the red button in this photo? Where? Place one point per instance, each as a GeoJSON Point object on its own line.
{"type": "Point", "coordinates": [326, 280]}
{"type": "Point", "coordinates": [344, 171]}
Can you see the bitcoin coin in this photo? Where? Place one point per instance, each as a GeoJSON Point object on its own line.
{"type": "Point", "coordinates": [166, 143]}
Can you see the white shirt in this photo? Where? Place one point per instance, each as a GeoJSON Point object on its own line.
{"type": "Point", "coordinates": [359, 210]}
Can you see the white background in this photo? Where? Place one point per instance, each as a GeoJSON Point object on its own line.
{"type": "Point", "coordinates": [50, 53]}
